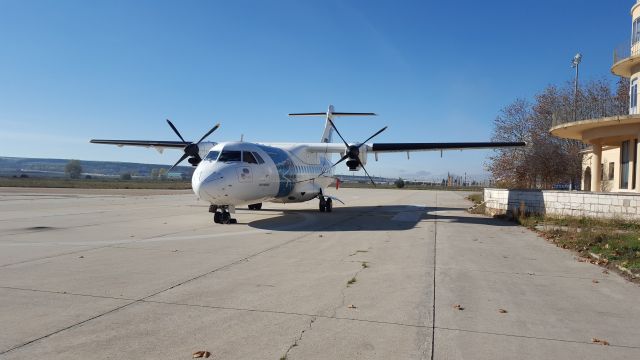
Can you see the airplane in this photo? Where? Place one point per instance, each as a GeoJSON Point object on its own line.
{"type": "Point", "coordinates": [232, 174]}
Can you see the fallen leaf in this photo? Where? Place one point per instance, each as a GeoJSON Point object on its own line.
{"type": "Point", "coordinates": [605, 271]}
{"type": "Point", "coordinates": [351, 306]}
{"type": "Point", "coordinates": [600, 341]}
{"type": "Point", "coordinates": [81, 257]}
{"type": "Point", "coordinates": [201, 354]}
{"type": "Point", "coordinates": [502, 311]}
{"type": "Point", "coordinates": [458, 307]}
{"type": "Point", "coordinates": [595, 281]}
{"type": "Point", "coordinates": [320, 235]}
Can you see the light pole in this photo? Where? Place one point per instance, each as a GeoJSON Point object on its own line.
{"type": "Point", "coordinates": [575, 63]}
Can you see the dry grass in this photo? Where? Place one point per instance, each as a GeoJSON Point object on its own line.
{"type": "Point", "coordinates": [615, 241]}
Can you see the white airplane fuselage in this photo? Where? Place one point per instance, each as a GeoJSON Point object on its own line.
{"type": "Point", "coordinates": [240, 173]}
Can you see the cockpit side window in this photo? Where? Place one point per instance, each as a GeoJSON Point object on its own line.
{"type": "Point", "coordinates": [249, 158]}
{"type": "Point", "coordinates": [230, 156]}
{"type": "Point", "coordinates": [212, 155]}
{"type": "Point", "coordinates": [259, 158]}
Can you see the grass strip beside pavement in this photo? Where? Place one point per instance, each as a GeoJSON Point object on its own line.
{"type": "Point", "coordinates": [615, 242]}
{"type": "Point", "coordinates": [94, 183]}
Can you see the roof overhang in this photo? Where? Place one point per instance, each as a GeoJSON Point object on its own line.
{"type": "Point", "coordinates": [607, 130]}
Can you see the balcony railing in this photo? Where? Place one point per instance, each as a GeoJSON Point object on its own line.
{"type": "Point", "coordinates": [589, 108]}
{"type": "Point", "coordinates": [622, 52]}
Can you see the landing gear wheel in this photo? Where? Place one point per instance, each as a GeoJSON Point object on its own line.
{"type": "Point", "coordinates": [225, 218]}
{"type": "Point", "coordinates": [257, 206]}
{"type": "Point", "coordinates": [328, 206]}
{"type": "Point", "coordinates": [217, 217]}
{"type": "Point", "coordinates": [323, 205]}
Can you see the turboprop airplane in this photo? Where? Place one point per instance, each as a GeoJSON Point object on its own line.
{"type": "Point", "coordinates": [231, 174]}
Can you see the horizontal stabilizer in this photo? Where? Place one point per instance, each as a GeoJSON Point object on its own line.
{"type": "Point", "coordinates": [334, 114]}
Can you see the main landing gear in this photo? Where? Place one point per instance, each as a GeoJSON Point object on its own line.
{"type": "Point", "coordinates": [326, 203]}
{"type": "Point", "coordinates": [221, 215]}
{"type": "Point", "coordinates": [257, 206]}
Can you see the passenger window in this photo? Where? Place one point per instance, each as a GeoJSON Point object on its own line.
{"type": "Point", "coordinates": [249, 158]}
{"type": "Point", "coordinates": [259, 158]}
{"type": "Point", "coordinates": [212, 155]}
{"type": "Point", "coordinates": [229, 156]}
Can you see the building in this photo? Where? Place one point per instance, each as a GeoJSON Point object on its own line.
{"type": "Point", "coordinates": [611, 163]}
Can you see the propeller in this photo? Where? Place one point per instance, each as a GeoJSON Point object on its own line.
{"type": "Point", "coordinates": [353, 152]}
{"type": "Point", "coordinates": [191, 150]}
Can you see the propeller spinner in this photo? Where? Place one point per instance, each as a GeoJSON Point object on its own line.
{"type": "Point", "coordinates": [191, 150]}
{"type": "Point", "coordinates": [352, 155]}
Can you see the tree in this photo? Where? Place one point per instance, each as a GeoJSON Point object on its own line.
{"type": "Point", "coordinates": [162, 174]}
{"type": "Point", "coordinates": [155, 173]}
{"type": "Point", "coordinates": [399, 183]}
{"type": "Point", "coordinates": [73, 169]}
{"type": "Point", "coordinates": [125, 176]}
{"type": "Point", "coordinates": [548, 160]}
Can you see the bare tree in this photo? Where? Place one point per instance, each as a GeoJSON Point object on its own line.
{"type": "Point", "coordinates": [549, 160]}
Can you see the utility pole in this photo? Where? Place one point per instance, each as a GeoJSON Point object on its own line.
{"type": "Point", "coordinates": [575, 63]}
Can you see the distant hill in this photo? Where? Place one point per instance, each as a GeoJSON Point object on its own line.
{"type": "Point", "coordinates": [12, 166]}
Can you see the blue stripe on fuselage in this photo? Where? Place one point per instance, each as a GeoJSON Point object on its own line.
{"type": "Point", "coordinates": [285, 167]}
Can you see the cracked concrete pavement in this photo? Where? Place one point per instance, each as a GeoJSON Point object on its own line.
{"type": "Point", "coordinates": [92, 274]}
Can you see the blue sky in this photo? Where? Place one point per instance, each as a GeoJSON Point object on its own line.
{"type": "Point", "coordinates": [433, 71]}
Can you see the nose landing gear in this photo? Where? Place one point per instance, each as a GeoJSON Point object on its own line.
{"type": "Point", "coordinates": [221, 215]}
{"type": "Point", "coordinates": [326, 204]}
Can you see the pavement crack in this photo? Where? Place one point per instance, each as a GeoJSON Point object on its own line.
{"type": "Point", "coordinates": [146, 298]}
{"type": "Point", "coordinates": [299, 338]}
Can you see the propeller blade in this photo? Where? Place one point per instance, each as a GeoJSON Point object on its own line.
{"type": "Point", "coordinates": [374, 135]}
{"type": "Point", "coordinates": [176, 131]}
{"type": "Point", "coordinates": [209, 132]}
{"type": "Point", "coordinates": [184, 156]}
{"type": "Point", "coordinates": [366, 172]}
{"type": "Point", "coordinates": [345, 157]}
{"type": "Point", "coordinates": [338, 132]}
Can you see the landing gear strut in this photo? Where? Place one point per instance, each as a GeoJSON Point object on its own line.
{"type": "Point", "coordinates": [221, 215]}
{"type": "Point", "coordinates": [326, 203]}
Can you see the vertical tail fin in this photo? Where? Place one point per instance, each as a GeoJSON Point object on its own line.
{"type": "Point", "coordinates": [327, 134]}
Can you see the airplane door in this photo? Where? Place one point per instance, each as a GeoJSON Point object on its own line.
{"type": "Point", "coordinates": [261, 172]}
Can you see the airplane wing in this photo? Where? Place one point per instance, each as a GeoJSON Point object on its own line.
{"type": "Point", "coordinates": [158, 145]}
{"type": "Point", "coordinates": [403, 147]}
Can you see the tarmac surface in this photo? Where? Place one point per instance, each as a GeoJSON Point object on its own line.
{"type": "Point", "coordinates": [394, 274]}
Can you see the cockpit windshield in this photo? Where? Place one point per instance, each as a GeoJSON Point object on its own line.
{"type": "Point", "coordinates": [212, 155]}
{"type": "Point", "coordinates": [230, 156]}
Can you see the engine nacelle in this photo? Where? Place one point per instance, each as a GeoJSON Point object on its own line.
{"type": "Point", "coordinates": [352, 163]}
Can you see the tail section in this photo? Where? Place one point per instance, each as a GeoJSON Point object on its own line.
{"type": "Point", "coordinates": [330, 114]}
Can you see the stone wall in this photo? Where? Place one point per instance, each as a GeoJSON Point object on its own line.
{"type": "Point", "coordinates": [563, 203]}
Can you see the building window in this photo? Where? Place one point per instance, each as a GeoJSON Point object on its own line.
{"type": "Point", "coordinates": [635, 31]}
{"type": "Point", "coordinates": [612, 167]}
{"type": "Point", "coordinates": [633, 96]}
{"type": "Point", "coordinates": [624, 165]}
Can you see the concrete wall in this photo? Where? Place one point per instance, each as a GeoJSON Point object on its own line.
{"type": "Point", "coordinates": [564, 203]}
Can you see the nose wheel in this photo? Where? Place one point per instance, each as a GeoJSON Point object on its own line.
{"type": "Point", "coordinates": [221, 215]}
{"type": "Point", "coordinates": [326, 204]}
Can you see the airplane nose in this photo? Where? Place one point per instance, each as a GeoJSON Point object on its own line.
{"type": "Point", "coordinates": [211, 186]}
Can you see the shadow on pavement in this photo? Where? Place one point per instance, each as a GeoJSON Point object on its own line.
{"type": "Point", "coordinates": [367, 218]}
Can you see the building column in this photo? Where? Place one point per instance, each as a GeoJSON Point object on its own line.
{"type": "Point", "coordinates": [632, 165]}
{"type": "Point", "coordinates": [636, 163]}
{"type": "Point", "coordinates": [596, 168]}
